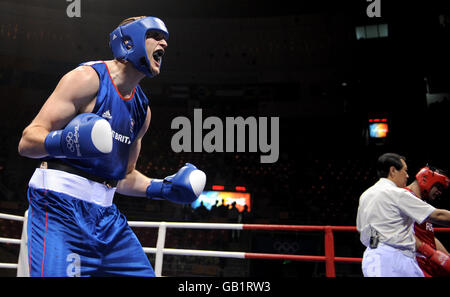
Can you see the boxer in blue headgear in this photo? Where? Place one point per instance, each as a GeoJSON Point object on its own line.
{"type": "Point", "coordinates": [128, 42]}
{"type": "Point", "coordinates": [89, 134]}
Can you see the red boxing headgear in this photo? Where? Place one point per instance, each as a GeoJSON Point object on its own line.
{"type": "Point", "coordinates": [427, 178]}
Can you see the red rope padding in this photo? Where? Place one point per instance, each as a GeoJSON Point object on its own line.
{"type": "Point", "coordinates": [347, 260]}
{"type": "Point", "coordinates": [283, 257]}
{"type": "Point", "coordinates": [296, 227]}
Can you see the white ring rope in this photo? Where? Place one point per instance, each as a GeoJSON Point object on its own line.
{"type": "Point", "coordinates": [204, 253]}
{"type": "Point", "coordinates": [186, 225]}
{"type": "Point", "coordinates": [11, 217]}
{"type": "Point", "coordinates": [8, 265]}
{"type": "Point", "coordinates": [9, 240]}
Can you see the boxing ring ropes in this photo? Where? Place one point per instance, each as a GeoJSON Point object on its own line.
{"type": "Point", "coordinates": [329, 258]}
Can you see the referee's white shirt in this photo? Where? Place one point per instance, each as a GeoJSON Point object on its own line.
{"type": "Point", "coordinates": [390, 211]}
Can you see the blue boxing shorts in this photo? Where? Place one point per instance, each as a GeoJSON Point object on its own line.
{"type": "Point", "coordinates": [74, 229]}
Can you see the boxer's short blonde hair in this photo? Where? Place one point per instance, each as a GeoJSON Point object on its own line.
{"type": "Point", "coordinates": [131, 19]}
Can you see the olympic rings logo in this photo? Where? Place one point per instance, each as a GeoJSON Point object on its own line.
{"type": "Point", "coordinates": [69, 142]}
{"type": "Point", "coordinates": [285, 247]}
{"type": "Point", "coordinates": [72, 143]}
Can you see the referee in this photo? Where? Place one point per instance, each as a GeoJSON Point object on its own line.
{"type": "Point", "coordinates": [385, 219]}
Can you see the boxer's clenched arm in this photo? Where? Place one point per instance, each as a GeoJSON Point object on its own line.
{"type": "Point", "coordinates": [75, 93]}
{"type": "Point", "coordinates": [135, 183]}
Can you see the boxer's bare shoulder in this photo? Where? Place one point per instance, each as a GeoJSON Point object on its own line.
{"type": "Point", "coordinates": [82, 82]}
{"type": "Point", "coordinates": [75, 93]}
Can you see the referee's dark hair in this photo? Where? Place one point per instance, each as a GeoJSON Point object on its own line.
{"type": "Point", "coordinates": [387, 160]}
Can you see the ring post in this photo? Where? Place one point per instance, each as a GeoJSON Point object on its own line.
{"type": "Point", "coordinates": [160, 248]}
{"type": "Point", "coordinates": [329, 252]}
{"type": "Point", "coordinates": [22, 266]}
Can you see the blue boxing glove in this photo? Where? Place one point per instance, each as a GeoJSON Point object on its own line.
{"type": "Point", "coordinates": [183, 187]}
{"type": "Point", "coordinates": [86, 136]}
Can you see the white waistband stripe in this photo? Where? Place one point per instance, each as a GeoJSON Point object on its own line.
{"type": "Point", "coordinates": [72, 185]}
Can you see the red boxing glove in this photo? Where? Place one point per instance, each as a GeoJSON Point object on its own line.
{"type": "Point", "coordinates": [435, 256]}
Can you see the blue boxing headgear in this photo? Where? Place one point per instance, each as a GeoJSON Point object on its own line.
{"type": "Point", "coordinates": [135, 34]}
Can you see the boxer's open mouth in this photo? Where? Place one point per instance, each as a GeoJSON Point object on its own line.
{"type": "Point", "coordinates": [157, 55]}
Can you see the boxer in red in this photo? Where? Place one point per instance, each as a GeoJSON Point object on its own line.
{"type": "Point", "coordinates": [432, 256]}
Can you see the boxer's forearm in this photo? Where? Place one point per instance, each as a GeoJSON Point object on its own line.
{"type": "Point", "coordinates": [440, 217]}
{"type": "Point", "coordinates": [440, 246]}
{"type": "Point", "coordinates": [134, 184]}
{"type": "Point", "coordinates": [31, 144]}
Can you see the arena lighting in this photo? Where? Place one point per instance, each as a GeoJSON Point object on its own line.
{"type": "Point", "coordinates": [241, 188]}
{"type": "Point", "coordinates": [384, 120]}
{"type": "Point", "coordinates": [218, 188]}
